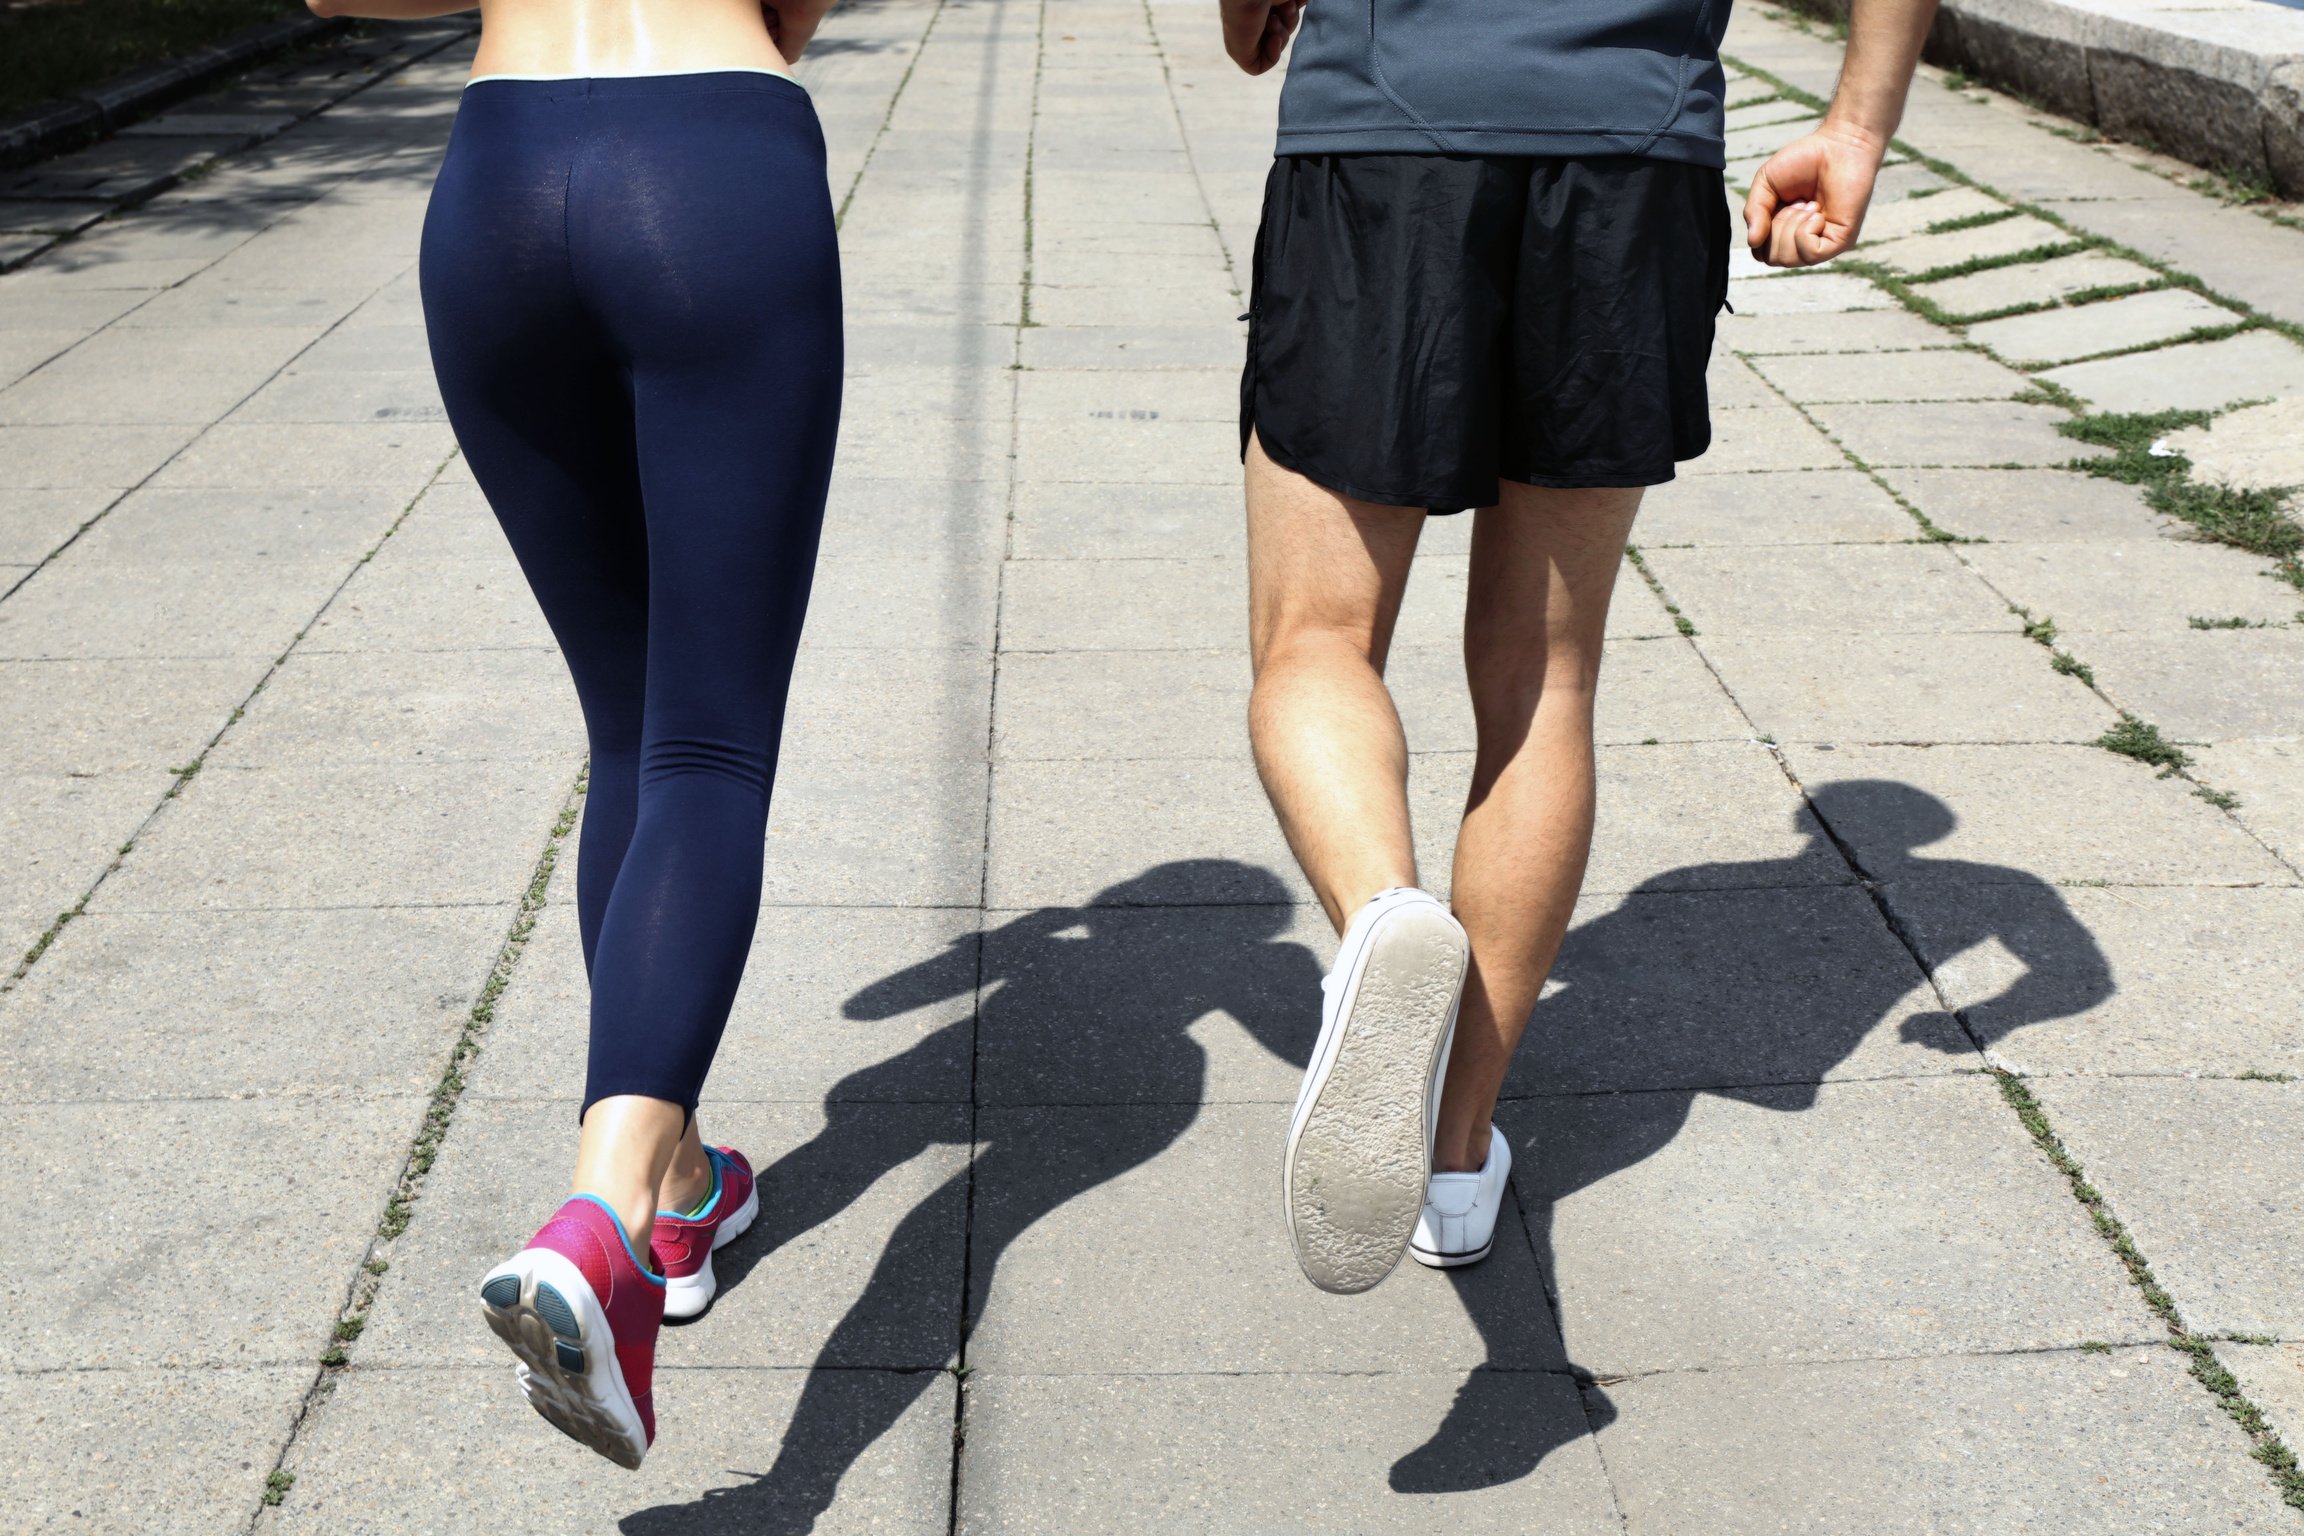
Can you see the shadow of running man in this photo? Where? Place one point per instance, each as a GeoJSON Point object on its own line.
{"type": "Point", "coordinates": [1077, 1005]}
{"type": "Point", "coordinates": [1753, 982]}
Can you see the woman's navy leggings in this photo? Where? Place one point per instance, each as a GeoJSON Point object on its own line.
{"type": "Point", "coordinates": [632, 287]}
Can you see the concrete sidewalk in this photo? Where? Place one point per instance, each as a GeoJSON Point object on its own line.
{"type": "Point", "coordinates": [1909, 1142]}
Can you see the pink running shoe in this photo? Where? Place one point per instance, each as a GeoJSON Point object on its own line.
{"type": "Point", "coordinates": [683, 1245]}
{"type": "Point", "coordinates": [582, 1314]}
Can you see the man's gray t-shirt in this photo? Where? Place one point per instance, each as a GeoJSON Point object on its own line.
{"type": "Point", "coordinates": [1507, 77]}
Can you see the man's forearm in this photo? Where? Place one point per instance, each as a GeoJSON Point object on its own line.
{"type": "Point", "coordinates": [1884, 39]}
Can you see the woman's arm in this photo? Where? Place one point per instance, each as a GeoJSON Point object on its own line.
{"type": "Point", "coordinates": [792, 23]}
{"type": "Point", "coordinates": [391, 10]}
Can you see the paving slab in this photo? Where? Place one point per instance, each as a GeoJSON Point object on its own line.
{"type": "Point", "coordinates": [1658, 690]}
{"type": "Point", "coordinates": [352, 834]}
{"type": "Point", "coordinates": [2153, 587]}
{"type": "Point", "coordinates": [2268, 776]}
{"type": "Point", "coordinates": [1870, 330]}
{"type": "Point", "coordinates": [1499, 1451]}
{"type": "Point", "coordinates": [2002, 238]}
{"type": "Point", "coordinates": [2194, 376]}
{"type": "Point", "coordinates": [2034, 283]}
{"type": "Point", "coordinates": [839, 1005]}
{"type": "Point", "coordinates": [2018, 815]}
{"type": "Point", "coordinates": [855, 1262]}
{"type": "Point", "coordinates": [1069, 521]}
{"type": "Point", "coordinates": [242, 1019]}
{"type": "Point", "coordinates": [2273, 1377]}
{"type": "Point", "coordinates": [876, 705]}
{"type": "Point", "coordinates": [1904, 688]}
{"type": "Point", "coordinates": [2062, 335]}
{"type": "Point", "coordinates": [2256, 448]}
{"type": "Point", "coordinates": [62, 829]}
{"type": "Point", "coordinates": [400, 455]}
{"type": "Point", "coordinates": [1658, 829]}
{"type": "Point", "coordinates": [1096, 605]}
{"type": "Point", "coordinates": [1807, 294]}
{"type": "Point", "coordinates": [2204, 1174]}
{"type": "Point", "coordinates": [1826, 377]}
{"type": "Point", "coordinates": [1953, 434]}
{"type": "Point", "coordinates": [1731, 990]}
{"type": "Point", "coordinates": [2102, 1444]}
{"type": "Point", "coordinates": [113, 458]}
{"type": "Point", "coordinates": [397, 606]}
{"type": "Point", "coordinates": [21, 351]}
{"type": "Point", "coordinates": [418, 1450]}
{"type": "Point", "coordinates": [173, 1452]}
{"type": "Point", "coordinates": [1856, 1220]}
{"type": "Point", "coordinates": [80, 609]}
{"type": "Point", "coordinates": [162, 1276]}
{"type": "Point", "coordinates": [1073, 833]}
{"type": "Point", "coordinates": [2029, 506]}
{"type": "Point", "coordinates": [1764, 438]}
{"type": "Point", "coordinates": [1125, 704]}
{"type": "Point", "coordinates": [441, 706]}
{"type": "Point", "coordinates": [947, 602]}
{"type": "Point", "coordinates": [902, 834]}
{"type": "Point", "coordinates": [2205, 685]}
{"type": "Point", "coordinates": [1834, 590]}
{"type": "Point", "coordinates": [867, 518]}
{"type": "Point", "coordinates": [2112, 980]}
{"type": "Point", "coordinates": [167, 527]}
{"type": "Point", "coordinates": [78, 717]}
{"type": "Point", "coordinates": [1196, 1275]}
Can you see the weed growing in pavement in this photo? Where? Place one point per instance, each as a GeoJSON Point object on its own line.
{"type": "Point", "coordinates": [2198, 622]}
{"type": "Point", "coordinates": [2072, 666]}
{"type": "Point", "coordinates": [2141, 740]}
{"type": "Point", "coordinates": [2256, 521]}
{"type": "Point", "coordinates": [2209, 1371]}
{"type": "Point", "coordinates": [2254, 1076]}
{"type": "Point", "coordinates": [1640, 564]}
{"type": "Point", "coordinates": [2095, 1347]}
{"type": "Point", "coordinates": [2222, 799]}
{"type": "Point", "coordinates": [276, 1488]}
{"type": "Point", "coordinates": [2038, 631]}
{"type": "Point", "coordinates": [1972, 221]}
{"type": "Point", "coordinates": [2241, 188]}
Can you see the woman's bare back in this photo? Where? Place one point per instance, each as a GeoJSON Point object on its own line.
{"type": "Point", "coordinates": [623, 37]}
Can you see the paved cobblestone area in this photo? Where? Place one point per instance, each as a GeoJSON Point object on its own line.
{"type": "Point", "coordinates": [1910, 1139]}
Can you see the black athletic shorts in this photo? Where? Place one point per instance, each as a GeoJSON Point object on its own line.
{"type": "Point", "coordinates": [1423, 326]}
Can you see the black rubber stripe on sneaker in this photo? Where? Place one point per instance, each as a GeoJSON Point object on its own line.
{"type": "Point", "coordinates": [557, 1314]}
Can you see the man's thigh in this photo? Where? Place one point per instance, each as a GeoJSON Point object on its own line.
{"type": "Point", "coordinates": [1318, 561]}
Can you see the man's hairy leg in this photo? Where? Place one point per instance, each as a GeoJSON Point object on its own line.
{"type": "Point", "coordinates": [1544, 565]}
{"type": "Point", "coordinates": [1325, 578]}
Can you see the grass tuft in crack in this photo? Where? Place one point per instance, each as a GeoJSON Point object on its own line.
{"type": "Point", "coordinates": [2141, 740]}
{"type": "Point", "coordinates": [2265, 1445]}
{"type": "Point", "coordinates": [2256, 521]}
{"type": "Point", "coordinates": [276, 1487]}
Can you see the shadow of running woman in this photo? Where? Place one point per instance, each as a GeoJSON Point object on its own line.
{"type": "Point", "coordinates": [1077, 1005]}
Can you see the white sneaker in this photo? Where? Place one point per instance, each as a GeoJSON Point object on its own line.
{"type": "Point", "coordinates": [1360, 1145]}
{"type": "Point", "coordinates": [1460, 1210]}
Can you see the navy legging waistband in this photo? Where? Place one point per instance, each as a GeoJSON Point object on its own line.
{"type": "Point", "coordinates": [632, 289]}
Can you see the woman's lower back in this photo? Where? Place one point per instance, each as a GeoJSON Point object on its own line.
{"type": "Point", "coordinates": [622, 37]}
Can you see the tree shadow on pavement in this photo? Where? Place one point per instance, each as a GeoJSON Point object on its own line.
{"type": "Point", "coordinates": [1750, 981]}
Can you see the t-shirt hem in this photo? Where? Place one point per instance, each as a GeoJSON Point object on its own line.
{"type": "Point", "coordinates": [1393, 139]}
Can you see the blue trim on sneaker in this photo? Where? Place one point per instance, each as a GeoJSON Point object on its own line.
{"type": "Point", "coordinates": [654, 1278]}
{"type": "Point", "coordinates": [716, 1158]}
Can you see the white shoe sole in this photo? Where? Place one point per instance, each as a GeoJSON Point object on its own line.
{"type": "Point", "coordinates": [540, 1304]}
{"type": "Point", "coordinates": [1360, 1146]}
{"type": "Point", "coordinates": [687, 1296]}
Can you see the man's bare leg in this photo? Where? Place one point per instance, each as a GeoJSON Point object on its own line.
{"type": "Point", "coordinates": [1325, 578]}
{"type": "Point", "coordinates": [1544, 565]}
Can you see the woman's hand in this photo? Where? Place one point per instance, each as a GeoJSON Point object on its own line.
{"type": "Point", "coordinates": [1256, 32]}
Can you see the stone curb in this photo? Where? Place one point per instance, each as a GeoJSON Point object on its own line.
{"type": "Point", "coordinates": [111, 104]}
{"type": "Point", "coordinates": [2221, 86]}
